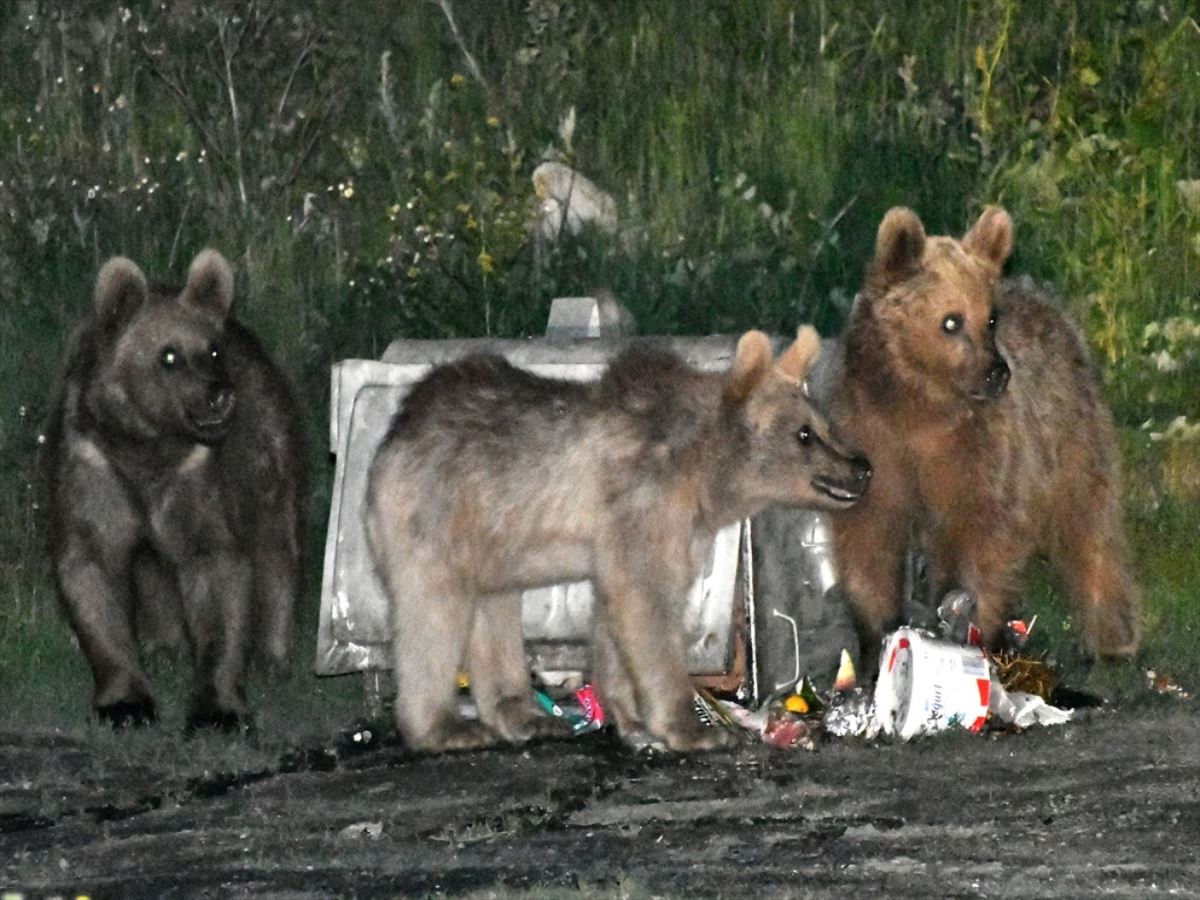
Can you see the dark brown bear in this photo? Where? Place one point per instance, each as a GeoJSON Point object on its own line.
{"type": "Point", "coordinates": [174, 468]}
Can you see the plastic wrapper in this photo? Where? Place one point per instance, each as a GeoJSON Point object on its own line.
{"type": "Point", "coordinates": [956, 616]}
{"type": "Point", "coordinates": [852, 714]}
{"type": "Point", "coordinates": [585, 715]}
{"type": "Point", "coordinates": [1023, 710]}
{"type": "Point", "coordinates": [772, 723]}
{"type": "Point", "coordinates": [846, 677]}
{"type": "Point", "coordinates": [1162, 683]}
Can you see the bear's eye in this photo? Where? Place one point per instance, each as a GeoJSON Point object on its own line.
{"type": "Point", "coordinates": [214, 353]}
{"type": "Point", "coordinates": [952, 324]}
{"type": "Point", "coordinates": [804, 436]}
{"type": "Point", "coordinates": [169, 358]}
{"type": "Point", "coordinates": [992, 319]}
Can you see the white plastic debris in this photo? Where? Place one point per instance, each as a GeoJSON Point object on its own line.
{"type": "Point", "coordinates": [568, 201]}
{"type": "Point", "coordinates": [358, 830]}
{"type": "Point", "coordinates": [852, 714]}
{"type": "Point", "coordinates": [1022, 709]}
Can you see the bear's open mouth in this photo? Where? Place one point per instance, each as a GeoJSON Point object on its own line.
{"type": "Point", "coordinates": [210, 429]}
{"type": "Point", "coordinates": [212, 421]}
{"type": "Point", "coordinates": [836, 489]}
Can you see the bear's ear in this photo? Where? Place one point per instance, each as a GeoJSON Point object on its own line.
{"type": "Point", "coordinates": [796, 361]}
{"type": "Point", "coordinates": [209, 285]}
{"type": "Point", "coordinates": [120, 291]}
{"type": "Point", "coordinates": [899, 244]}
{"type": "Point", "coordinates": [751, 365]}
{"type": "Point", "coordinates": [991, 238]}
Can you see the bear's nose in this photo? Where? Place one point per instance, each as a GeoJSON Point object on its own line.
{"type": "Point", "coordinates": [219, 397]}
{"type": "Point", "coordinates": [997, 379]}
{"type": "Point", "coordinates": [862, 470]}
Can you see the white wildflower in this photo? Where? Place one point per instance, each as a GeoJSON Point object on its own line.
{"type": "Point", "coordinates": [1164, 362]}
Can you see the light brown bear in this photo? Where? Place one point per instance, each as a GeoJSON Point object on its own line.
{"type": "Point", "coordinates": [976, 400]}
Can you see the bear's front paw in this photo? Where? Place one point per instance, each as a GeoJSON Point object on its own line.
{"type": "Point", "coordinates": [210, 717]}
{"type": "Point", "coordinates": [136, 713]}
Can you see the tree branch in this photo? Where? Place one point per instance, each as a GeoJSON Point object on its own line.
{"type": "Point", "coordinates": [188, 107]}
{"type": "Point", "coordinates": [472, 65]}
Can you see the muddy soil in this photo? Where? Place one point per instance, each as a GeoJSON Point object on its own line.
{"type": "Point", "coordinates": [1108, 806]}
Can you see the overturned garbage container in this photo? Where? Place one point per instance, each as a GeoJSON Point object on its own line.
{"type": "Point", "coordinates": [763, 613]}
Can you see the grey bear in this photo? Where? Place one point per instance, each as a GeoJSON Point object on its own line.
{"type": "Point", "coordinates": [174, 470]}
{"type": "Point", "coordinates": [492, 479]}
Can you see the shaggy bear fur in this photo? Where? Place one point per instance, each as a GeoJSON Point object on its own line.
{"type": "Point", "coordinates": [976, 400]}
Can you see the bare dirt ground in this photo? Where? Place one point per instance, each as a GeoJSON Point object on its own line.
{"type": "Point", "coordinates": [1107, 806]}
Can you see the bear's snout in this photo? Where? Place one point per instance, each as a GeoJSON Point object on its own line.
{"type": "Point", "coordinates": [210, 417]}
{"type": "Point", "coordinates": [844, 489]}
{"type": "Point", "coordinates": [997, 379]}
{"type": "Point", "coordinates": [220, 399]}
{"type": "Point", "coordinates": [862, 472]}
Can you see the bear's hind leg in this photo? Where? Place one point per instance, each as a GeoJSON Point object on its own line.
{"type": "Point", "coordinates": [499, 672]}
{"type": "Point", "coordinates": [614, 682]}
{"type": "Point", "coordinates": [431, 627]}
{"type": "Point", "coordinates": [1092, 559]}
{"type": "Point", "coordinates": [276, 587]}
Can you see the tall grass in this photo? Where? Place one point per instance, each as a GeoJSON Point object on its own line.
{"type": "Point", "coordinates": [366, 166]}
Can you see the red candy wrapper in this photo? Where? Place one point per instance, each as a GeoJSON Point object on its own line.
{"type": "Point", "coordinates": [592, 710]}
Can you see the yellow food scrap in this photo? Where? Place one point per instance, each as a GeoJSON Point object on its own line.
{"type": "Point", "coordinates": [846, 676]}
{"type": "Point", "coordinates": [796, 704]}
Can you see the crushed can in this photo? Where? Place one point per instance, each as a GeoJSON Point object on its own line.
{"type": "Point", "coordinates": [926, 685]}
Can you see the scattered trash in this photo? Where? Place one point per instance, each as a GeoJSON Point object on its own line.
{"type": "Point", "coordinates": [358, 830]}
{"type": "Point", "coordinates": [1162, 683]}
{"type": "Point", "coordinates": [927, 685]}
{"type": "Point", "coordinates": [592, 712]}
{"type": "Point", "coordinates": [956, 616]}
{"type": "Point", "coordinates": [773, 723]}
{"type": "Point", "coordinates": [585, 718]}
{"type": "Point", "coordinates": [846, 677]}
{"type": "Point", "coordinates": [786, 731]}
{"type": "Point", "coordinates": [1022, 710]}
{"type": "Point", "coordinates": [1017, 673]}
{"type": "Point", "coordinates": [794, 703]}
{"type": "Point", "coordinates": [1017, 632]}
{"type": "Point", "coordinates": [928, 682]}
{"type": "Point", "coordinates": [852, 714]}
{"type": "Point", "coordinates": [1026, 674]}
{"type": "Point", "coordinates": [546, 702]}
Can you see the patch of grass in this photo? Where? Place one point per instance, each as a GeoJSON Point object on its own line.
{"type": "Point", "coordinates": [1161, 527]}
{"type": "Point", "coordinates": [47, 687]}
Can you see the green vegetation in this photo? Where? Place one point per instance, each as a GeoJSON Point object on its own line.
{"type": "Point", "coordinates": [366, 166]}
